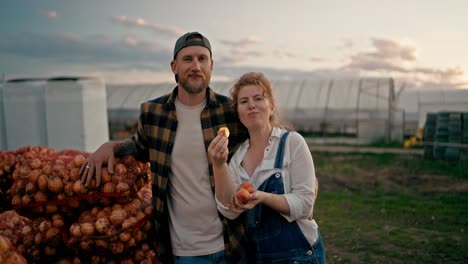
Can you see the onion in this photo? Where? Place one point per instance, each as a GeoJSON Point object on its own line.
{"type": "Point", "coordinates": [51, 234]}
{"type": "Point", "coordinates": [117, 247]}
{"type": "Point", "coordinates": [57, 220]}
{"type": "Point", "coordinates": [34, 175]}
{"type": "Point", "coordinates": [55, 185]}
{"type": "Point", "coordinates": [42, 182]}
{"type": "Point", "coordinates": [36, 163]}
{"type": "Point", "coordinates": [75, 230]}
{"type": "Point", "coordinates": [87, 245]}
{"type": "Point", "coordinates": [86, 216]}
{"type": "Point", "coordinates": [30, 188]}
{"type": "Point", "coordinates": [68, 189]}
{"type": "Point", "coordinates": [130, 209]}
{"type": "Point", "coordinates": [44, 225]}
{"type": "Point", "coordinates": [79, 160]}
{"type": "Point", "coordinates": [51, 208]}
{"type": "Point", "coordinates": [102, 243]}
{"type": "Point", "coordinates": [38, 239]}
{"type": "Point", "coordinates": [118, 216]}
{"type": "Point", "coordinates": [26, 199]}
{"type": "Point", "coordinates": [125, 236]}
{"type": "Point", "coordinates": [78, 187]}
{"type": "Point", "coordinates": [140, 255]}
{"type": "Point", "coordinates": [87, 229]}
{"type": "Point", "coordinates": [123, 188]}
{"type": "Point", "coordinates": [40, 197]}
{"type": "Point", "coordinates": [120, 169]}
{"type": "Point", "coordinates": [74, 174]}
{"type": "Point", "coordinates": [50, 251]}
{"type": "Point", "coordinates": [105, 176]}
{"type": "Point", "coordinates": [102, 225]}
{"type": "Point", "coordinates": [129, 222]}
{"type": "Point", "coordinates": [59, 170]}
{"type": "Point", "coordinates": [108, 187]}
{"type": "Point", "coordinates": [47, 169]}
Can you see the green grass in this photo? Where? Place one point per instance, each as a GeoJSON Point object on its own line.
{"type": "Point", "coordinates": [389, 224]}
{"type": "Point", "coordinates": [407, 163]}
{"type": "Point", "coordinates": [393, 228]}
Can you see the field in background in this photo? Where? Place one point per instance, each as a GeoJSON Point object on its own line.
{"type": "Point", "coordinates": [392, 208]}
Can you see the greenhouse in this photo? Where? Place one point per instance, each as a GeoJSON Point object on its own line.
{"type": "Point", "coordinates": [332, 110]}
{"type": "Point", "coordinates": [361, 108]}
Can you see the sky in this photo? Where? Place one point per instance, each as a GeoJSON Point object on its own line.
{"type": "Point", "coordinates": [419, 43]}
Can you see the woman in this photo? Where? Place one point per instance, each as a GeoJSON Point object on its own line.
{"type": "Point", "coordinates": [278, 214]}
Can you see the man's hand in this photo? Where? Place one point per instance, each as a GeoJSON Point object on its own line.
{"type": "Point", "coordinates": [93, 165]}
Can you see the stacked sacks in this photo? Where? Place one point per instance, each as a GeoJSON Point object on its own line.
{"type": "Point", "coordinates": [46, 185]}
{"type": "Point", "coordinates": [76, 223]}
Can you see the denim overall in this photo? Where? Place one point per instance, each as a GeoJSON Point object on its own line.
{"type": "Point", "coordinates": [272, 238]}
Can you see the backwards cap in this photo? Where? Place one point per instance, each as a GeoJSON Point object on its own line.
{"type": "Point", "coordinates": [191, 39]}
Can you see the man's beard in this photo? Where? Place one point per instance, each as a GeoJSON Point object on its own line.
{"type": "Point", "coordinates": [193, 89]}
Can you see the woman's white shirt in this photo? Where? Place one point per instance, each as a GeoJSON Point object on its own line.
{"type": "Point", "coordinates": [298, 178]}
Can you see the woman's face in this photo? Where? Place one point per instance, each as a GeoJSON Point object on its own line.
{"type": "Point", "coordinates": [254, 109]}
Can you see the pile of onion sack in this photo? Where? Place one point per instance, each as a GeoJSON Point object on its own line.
{"type": "Point", "coordinates": [50, 216]}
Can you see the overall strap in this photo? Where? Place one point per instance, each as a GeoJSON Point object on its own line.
{"type": "Point", "coordinates": [280, 153]}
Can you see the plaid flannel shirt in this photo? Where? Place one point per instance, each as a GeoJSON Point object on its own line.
{"type": "Point", "coordinates": [154, 138]}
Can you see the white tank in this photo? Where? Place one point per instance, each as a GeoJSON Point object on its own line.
{"type": "Point", "coordinates": [62, 113]}
{"type": "Point", "coordinates": [24, 113]}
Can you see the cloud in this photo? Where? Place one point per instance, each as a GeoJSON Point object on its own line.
{"type": "Point", "coordinates": [388, 49]}
{"type": "Point", "coordinates": [391, 58]}
{"type": "Point", "coordinates": [242, 43]}
{"type": "Point", "coordinates": [52, 14]}
{"type": "Point", "coordinates": [155, 28]}
{"type": "Point", "coordinates": [317, 59]}
{"type": "Point", "coordinates": [283, 54]}
{"type": "Point", "coordinates": [76, 49]}
{"type": "Point", "coordinates": [111, 57]}
{"type": "Point", "coordinates": [68, 54]}
{"type": "Point", "coordinates": [347, 44]}
{"type": "Point", "coordinates": [237, 50]}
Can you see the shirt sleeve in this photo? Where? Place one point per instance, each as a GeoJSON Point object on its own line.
{"type": "Point", "coordinates": [224, 210]}
{"type": "Point", "coordinates": [139, 137]}
{"type": "Point", "coordinates": [301, 173]}
{"type": "Point", "coordinates": [234, 171]}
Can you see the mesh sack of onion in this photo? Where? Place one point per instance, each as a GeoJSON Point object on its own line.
{"type": "Point", "coordinates": [51, 183]}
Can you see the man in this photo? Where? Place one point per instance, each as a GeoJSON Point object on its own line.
{"type": "Point", "coordinates": [173, 134]}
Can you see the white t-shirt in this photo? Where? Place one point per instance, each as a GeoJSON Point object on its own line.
{"type": "Point", "coordinates": [298, 173]}
{"type": "Point", "coordinates": [194, 223]}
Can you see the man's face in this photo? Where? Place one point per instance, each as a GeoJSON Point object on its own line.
{"type": "Point", "coordinates": [193, 66]}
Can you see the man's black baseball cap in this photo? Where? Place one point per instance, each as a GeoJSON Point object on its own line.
{"type": "Point", "coordinates": [191, 39]}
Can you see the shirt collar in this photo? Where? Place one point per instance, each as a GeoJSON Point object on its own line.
{"type": "Point", "coordinates": [210, 98]}
{"type": "Point", "coordinates": [275, 133]}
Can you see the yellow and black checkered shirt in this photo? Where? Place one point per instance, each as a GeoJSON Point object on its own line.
{"type": "Point", "coordinates": [154, 138]}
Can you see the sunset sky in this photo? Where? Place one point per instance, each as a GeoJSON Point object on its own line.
{"type": "Point", "coordinates": [418, 42]}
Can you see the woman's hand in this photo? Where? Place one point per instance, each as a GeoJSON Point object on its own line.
{"type": "Point", "coordinates": [218, 150]}
{"type": "Point", "coordinates": [239, 206]}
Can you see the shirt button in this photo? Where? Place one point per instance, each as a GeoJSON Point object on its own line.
{"type": "Point", "coordinates": [309, 252]}
{"type": "Point", "coordinates": [267, 149]}
{"type": "Point", "coordinates": [277, 175]}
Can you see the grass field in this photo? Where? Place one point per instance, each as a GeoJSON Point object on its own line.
{"type": "Point", "coordinates": [387, 208]}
